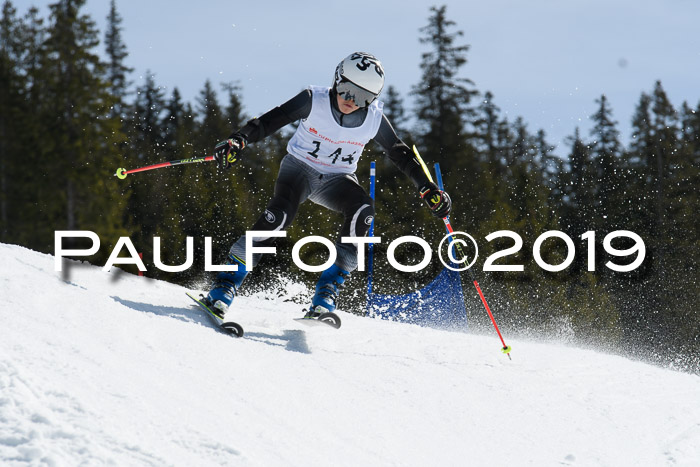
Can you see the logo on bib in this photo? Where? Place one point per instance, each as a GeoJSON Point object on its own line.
{"type": "Point", "coordinates": [269, 216]}
{"type": "Point", "coordinates": [369, 219]}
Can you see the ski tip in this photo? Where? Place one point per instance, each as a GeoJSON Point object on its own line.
{"type": "Point", "coordinates": [232, 328]}
{"type": "Point", "coordinates": [330, 319]}
{"type": "Point", "coordinates": [325, 319]}
{"type": "Point", "coordinates": [229, 327]}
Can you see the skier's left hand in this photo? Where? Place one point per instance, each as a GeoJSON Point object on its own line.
{"type": "Point", "coordinates": [437, 200]}
{"type": "Point", "coordinates": [227, 151]}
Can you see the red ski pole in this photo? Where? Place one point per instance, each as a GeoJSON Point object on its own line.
{"type": "Point", "coordinates": [462, 256]}
{"type": "Point", "coordinates": [122, 173]}
{"type": "Point", "coordinates": [458, 248]}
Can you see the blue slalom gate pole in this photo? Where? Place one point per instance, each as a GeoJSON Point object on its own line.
{"type": "Point", "coordinates": [370, 252]}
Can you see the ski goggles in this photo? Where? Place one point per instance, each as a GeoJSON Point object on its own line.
{"type": "Point", "coordinates": [352, 92]}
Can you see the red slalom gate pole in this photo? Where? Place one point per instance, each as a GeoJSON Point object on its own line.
{"type": "Point", "coordinates": [122, 173]}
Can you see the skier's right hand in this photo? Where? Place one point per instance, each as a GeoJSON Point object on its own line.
{"type": "Point", "coordinates": [226, 152]}
{"type": "Point", "coordinates": [437, 200]}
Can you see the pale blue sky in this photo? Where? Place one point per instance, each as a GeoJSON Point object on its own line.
{"type": "Point", "coordinates": [545, 60]}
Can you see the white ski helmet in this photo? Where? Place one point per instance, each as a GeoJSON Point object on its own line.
{"type": "Point", "coordinates": [359, 77]}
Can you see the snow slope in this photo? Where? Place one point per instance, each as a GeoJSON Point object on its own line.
{"type": "Point", "coordinates": [117, 369]}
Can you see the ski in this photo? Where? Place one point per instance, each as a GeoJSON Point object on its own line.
{"type": "Point", "coordinates": [228, 327]}
{"type": "Point", "coordinates": [324, 319]}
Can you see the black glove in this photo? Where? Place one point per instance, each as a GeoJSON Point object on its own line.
{"type": "Point", "coordinates": [437, 200]}
{"type": "Point", "coordinates": [226, 152]}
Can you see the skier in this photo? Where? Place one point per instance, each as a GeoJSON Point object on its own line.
{"type": "Point", "coordinates": [336, 123]}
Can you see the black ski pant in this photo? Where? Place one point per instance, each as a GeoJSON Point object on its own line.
{"type": "Point", "coordinates": [298, 182]}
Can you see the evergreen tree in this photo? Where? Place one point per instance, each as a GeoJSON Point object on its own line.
{"type": "Point", "coordinates": [12, 86]}
{"type": "Point", "coordinates": [145, 131]}
{"type": "Point", "coordinates": [684, 205]}
{"type": "Point", "coordinates": [210, 203]}
{"type": "Point", "coordinates": [486, 126]}
{"type": "Point", "coordinates": [639, 211]}
{"type": "Point", "coordinates": [676, 202]}
{"type": "Point", "coordinates": [657, 151]}
{"type": "Point", "coordinates": [552, 166]}
{"type": "Point", "coordinates": [641, 133]}
{"type": "Point", "coordinates": [493, 139]}
{"type": "Point", "coordinates": [254, 175]}
{"type": "Point", "coordinates": [395, 111]}
{"type": "Point", "coordinates": [147, 146]}
{"type": "Point", "coordinates": [605, 154]}
{"type": "Point", "coordinates": [639, 292]}
{"type": "Point", "coordinates": [21, 54]}
{"type": "Point", "coordinates": [443, 98]}
{"type": "Point", "coordinates": [235, 117]}
{"type": "Point", "coordinates": [31, 38]}
{"type": "Point", "coordinates": [656, 162]}
{"type": "Point", "coordinates": [525, 189]}
{"type": "Point", "coordinates": [665, 127]}
{"type": "Point", "coordinates": [117, 71]}
{"type": "Point", "coordinates": [177, 128]}
{"type": "Point", "coordinates": [443, 110]}
{"type": "Point", "coordinates": [79, 154]}
{"type": "Point", "coordinates": [177, 133]}
{"type": "Point", "coordinates": [690, 130]}
{"type": "Point", "coordinates": [580, 191]}
{"type": "Point", "coordinates": [213, 120]}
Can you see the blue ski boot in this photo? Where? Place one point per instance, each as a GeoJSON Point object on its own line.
{"type": "Point", "coordinates": [327, 287]}
{"type": "Point", "coordinates": [225, 287]}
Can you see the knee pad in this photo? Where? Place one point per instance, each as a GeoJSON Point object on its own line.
{"type": "Point", "coordinates": [361, 220]}
{"type": "Point", "coordinates": [273, 218]}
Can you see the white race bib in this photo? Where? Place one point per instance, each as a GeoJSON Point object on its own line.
{"type": "Point", "coordinates": [330, 148]}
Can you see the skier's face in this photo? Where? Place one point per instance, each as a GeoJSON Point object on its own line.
{"type": "Point", "coordinates": [347, 107]}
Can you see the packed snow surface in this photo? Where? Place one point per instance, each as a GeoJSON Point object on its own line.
{"type": "Point", "coordinates": [104, 368]}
